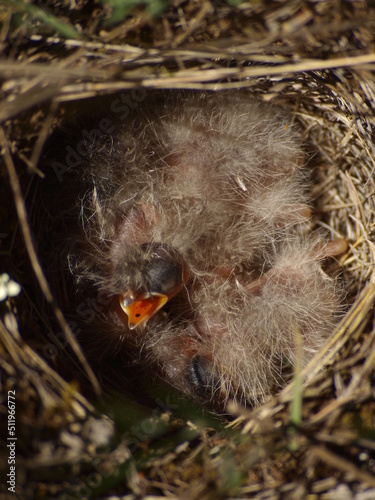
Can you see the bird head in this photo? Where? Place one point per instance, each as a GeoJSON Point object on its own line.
{"type": "Point", "coordinates": [164, 274]}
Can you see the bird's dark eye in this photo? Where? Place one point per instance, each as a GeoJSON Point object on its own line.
{"type": "Point", "coordinates": [164, 275]}
{"type": "Point", "coordinates": [164, 269]}
{"type": "Point", "coordinates": [199, 377]}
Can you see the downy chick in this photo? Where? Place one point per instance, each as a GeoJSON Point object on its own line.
{"type": "Point", "coordinates": [195, 228]}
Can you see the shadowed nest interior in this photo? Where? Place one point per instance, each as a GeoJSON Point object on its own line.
{"type": "Point", "coordinates": [316, 59]}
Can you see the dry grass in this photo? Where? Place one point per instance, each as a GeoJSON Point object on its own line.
{"type": "Point", "coordinates": [317, 438]}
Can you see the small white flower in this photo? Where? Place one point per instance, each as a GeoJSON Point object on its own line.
{"type": "Point", "coordinates": [8, 287]}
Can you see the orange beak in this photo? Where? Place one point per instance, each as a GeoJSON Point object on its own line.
{"type": "Point", "coordinates": [142, 308]}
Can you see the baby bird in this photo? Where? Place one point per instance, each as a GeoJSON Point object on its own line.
{"type": "Point", "coordinates": [195, 231]}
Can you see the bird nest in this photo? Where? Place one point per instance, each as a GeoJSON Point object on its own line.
{"type": "Point", "coordinates": [315, 438]}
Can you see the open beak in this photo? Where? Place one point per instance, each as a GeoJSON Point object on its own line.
{"type": "Point", "coordinates": [140, 307]}
{"type": "Point", "coordinates": [140, 310]}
